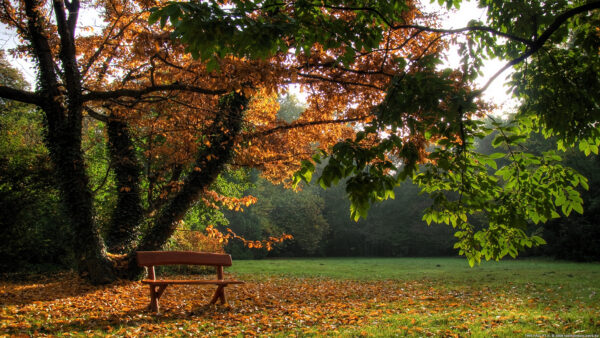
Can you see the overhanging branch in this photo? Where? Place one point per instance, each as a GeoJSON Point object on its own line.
{"type": "Point", "coordinates": [340, 82]}
{"type": "Point", "coordinates": [465, 29]}
{"type": "Point", "coordinates": [301, 125]}
{"type": "Point", "coordinates": [96, 115]}
{"type": "Point", "coordinates": [431, 29]}
{"type": "Point", "coordinates": [137, 93]}
{"type": "Point", "coordinates": [539, 43]}
{"type": "Point", "coordinates": [20, 95]}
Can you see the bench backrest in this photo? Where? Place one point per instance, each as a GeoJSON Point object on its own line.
{"type": "Point", "coordinates": [152, 258]}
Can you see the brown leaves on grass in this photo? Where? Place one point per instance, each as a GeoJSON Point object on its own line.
{"type": "Point", "coordinates": [65, 305]}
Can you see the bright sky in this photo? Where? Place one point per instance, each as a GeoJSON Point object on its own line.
{"type": "Point", "coordinates": [495, 93]}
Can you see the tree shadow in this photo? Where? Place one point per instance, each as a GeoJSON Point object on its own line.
{"type": "Point", "coordinates": [45, 288]}
{"type": "Point", "coordinates": [127, 320]}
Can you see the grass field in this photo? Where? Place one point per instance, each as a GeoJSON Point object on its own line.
{"type": "Point", "coordinates": [505, 298]}
{"type": "Point", "coordinates": [309, 297]}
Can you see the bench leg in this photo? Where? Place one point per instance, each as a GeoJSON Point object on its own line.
{"type": "Point", "coordinates": [155, 292]}
{"type": "Point", "coordinates": [219, 294]}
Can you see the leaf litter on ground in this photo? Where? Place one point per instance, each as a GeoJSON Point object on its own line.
{"type": "Point", "coordinates": [64, 304]}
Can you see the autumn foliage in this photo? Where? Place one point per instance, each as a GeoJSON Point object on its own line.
{"type": "Point", "coordinates": [172, 123]}
{"type": "Point", "coordinates": [224, 238]}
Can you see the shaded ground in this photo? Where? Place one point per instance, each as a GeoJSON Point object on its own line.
{"type": "Point", "coordinates": [270, 304]}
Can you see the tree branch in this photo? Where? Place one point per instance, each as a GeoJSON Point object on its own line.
{"type": "Point", "coordinates": [43, 53]}
{"type": "Point", "coordinates": [433, 30]}
{"type": "Point", "coordinates": [341, 82]}
{"type": "Point", "coordinates": [98, 51]}
{"type": "Point", "coordinates": [465, 29]}
{"type": "Point", "coordinates": [66, 31]}
{"type": "Point", "coordinates": [301, 125]}
{"type": "Point", "coordinates": [20, 95]}
{"type": "Point", "coordinates": [137, 93]}
{"type": "Point", "coordinates": [334, 64]}
{"type": "Point", "coordinates": [539, 43]}
{"type": "Point", "coordinates": [95, 115]}
{"type": "Point", "coordinates": [9, 14]}
{"type": "Point", "coordinates": [73, 7]}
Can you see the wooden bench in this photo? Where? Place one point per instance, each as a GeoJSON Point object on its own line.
{"type": "Point", "coordinates": [150, 259]}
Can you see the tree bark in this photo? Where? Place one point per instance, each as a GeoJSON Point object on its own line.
{"type": "Point", "coordinates": [62, 106]}
{"type": "Point", "coordinates": [128, 213]}
{"type": "Point", "coordinates": [64, 145]}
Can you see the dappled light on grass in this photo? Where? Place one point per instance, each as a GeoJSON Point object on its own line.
{"type": "Point", "coordinates": [65, 304]}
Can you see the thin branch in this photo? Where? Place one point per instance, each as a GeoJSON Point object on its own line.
{"type": "Point", "coordinates": [98, 51]}
{"type": "Point", "coordinates": [466, 29]}
{"type": "Point", "coordinates": [105, 179]}
{"type": "Point", "coordinates": [334, 64]}
{"type": "Point", "coordinates": [341, 82]}
{"type": "Point", "coordinates": [137, 93]}
{"type": "Point", "coordinates": [387, 50]}
{"type": "Point", "coordinates": [8, 14]}
{"type": "Point", "coordinates": [539, 43]}
{"type": "Point", "coordinates": [301, 125]}
{"type": "Point", "coordinates": [561, 19]}
{"type": "Point", "coordinates": [170, 64]}
{"type": "Point", "coordinates": [431, 29]}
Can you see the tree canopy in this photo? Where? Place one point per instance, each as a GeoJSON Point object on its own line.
{"type": "Point", "coordinates": [427, 121]}
{"type": "Point", "coordinates": [171, 124]}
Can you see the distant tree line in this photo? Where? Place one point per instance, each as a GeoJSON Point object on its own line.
{"type": "Point", "coordinates": [319, 220]}
{"type": "Point", "coordinates": [320, 223]}
{"type": "Point", "coordinates": [394, 228]}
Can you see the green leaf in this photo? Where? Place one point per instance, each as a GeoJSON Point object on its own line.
{"type": "Point", "coordinates": [497, 141]}
{"type": "Point", "coordinates": [538, 240]}
{"type": "Point", "coordinates": [578, 207]}
{"type": "Point", "coordinates": [155, 14]}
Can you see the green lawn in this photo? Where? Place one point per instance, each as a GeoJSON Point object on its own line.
{"type": "Point", "coordinates": [579, 281]}
{"type": "Point", "coordinates": [503, 298]}
{"type": "Point", "coordinates": [456, 270]}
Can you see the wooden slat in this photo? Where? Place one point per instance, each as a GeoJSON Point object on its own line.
{"type": "Point", "coordinates": [149, 258]}
{"type": "Point", "coordinates": [192, 281]}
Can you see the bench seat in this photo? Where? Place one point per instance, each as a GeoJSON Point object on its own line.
{"type": "Point", "coordinates": [150, 259]}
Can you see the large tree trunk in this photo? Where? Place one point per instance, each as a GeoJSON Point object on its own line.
{"type": "Point", "coordinates": [128, 213]}
{"type": "Point", "coordinates": [64, 144]}
{"type": "Point", "coordinates": [209, 163]}
{"type": "Point", "coordinates": [62, 106]}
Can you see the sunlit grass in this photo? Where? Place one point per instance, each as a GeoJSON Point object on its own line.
{"type": "Point", "coordinates": [455, 270]}
{"type": "Point", "coordinates": [534, 296]}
